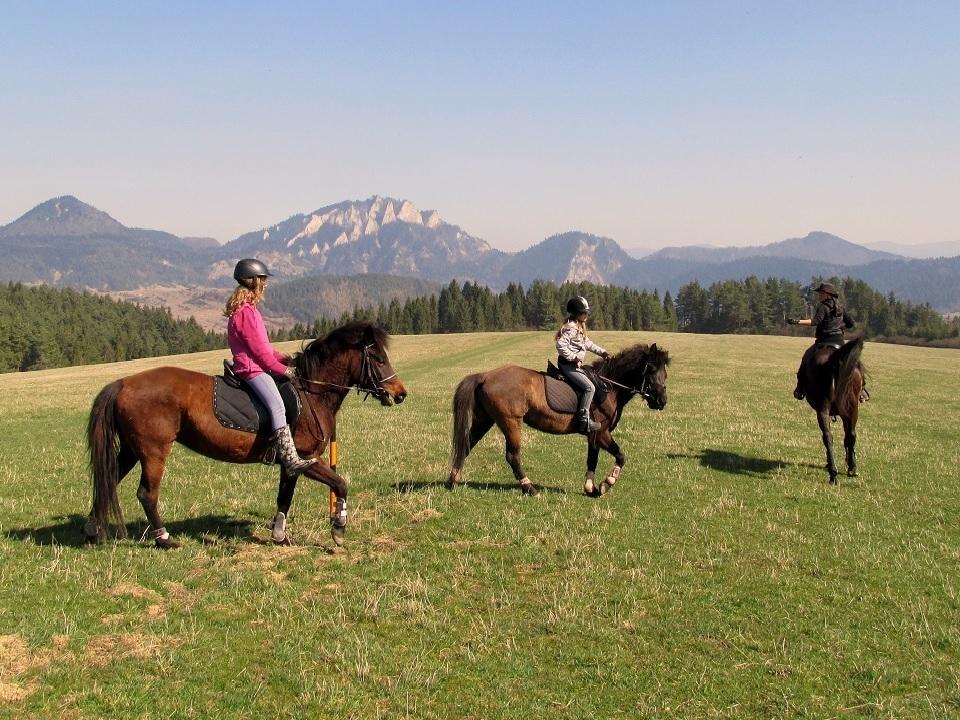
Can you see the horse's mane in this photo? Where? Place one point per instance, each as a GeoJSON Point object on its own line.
{"type": "Point", "coordinates": [316, 353]}
{"type": "Point", "coordinates": [631, 358]}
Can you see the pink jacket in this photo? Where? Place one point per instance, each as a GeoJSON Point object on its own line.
{"type": "Point", "coordinates": [252, 352]}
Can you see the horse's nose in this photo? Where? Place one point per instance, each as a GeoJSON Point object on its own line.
{"type": "Point", "coordinates": [400, 397]}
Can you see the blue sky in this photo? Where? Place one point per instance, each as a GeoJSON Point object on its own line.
{"type": "Point", "coordinates": [729, 123]}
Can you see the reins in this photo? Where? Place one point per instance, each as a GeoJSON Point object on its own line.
{"type": "Point", "coordinates": [641, 391]}
{"type": "Point", "coordinates": [369, 382]}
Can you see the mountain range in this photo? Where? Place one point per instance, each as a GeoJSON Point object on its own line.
{"type": "Point", "coordinates": [64, 241]}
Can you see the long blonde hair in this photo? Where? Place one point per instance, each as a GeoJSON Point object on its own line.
{"type": "Point", "coordinates": [244, 294]}
{"type": "Point", "coordinates": [582, 324]}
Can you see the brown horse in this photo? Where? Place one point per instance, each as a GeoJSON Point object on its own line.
{"type": "Point", "coordinates": [833, 383]}
{"type": "Point", "coordinates": [510, 396]}
{"type": "Point", "coordinates": [138, 418]}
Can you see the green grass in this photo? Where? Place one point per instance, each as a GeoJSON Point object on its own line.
{"type": "Point", "coordinates": [722, 577]}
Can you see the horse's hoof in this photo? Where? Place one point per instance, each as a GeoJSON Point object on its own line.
{"type": "Point", "coordinates": [852, 472]}
{"type": "Point", "coordinates": [337, 533]}
{"type": "Point", "coordinates": [278, 530]}
{"type": "Point", "coordinates": [833, 480]}
{"type": "Point", "coordinates": [166, 543]}
{"type": "Point", "coordinates": [529, 489]}
{"type": "Point", "coordinates": [451, 485]}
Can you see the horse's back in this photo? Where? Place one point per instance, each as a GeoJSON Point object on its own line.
{"type": "Point", "coordinates": [166, 386]}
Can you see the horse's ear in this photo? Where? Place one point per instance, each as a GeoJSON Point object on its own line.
{"type": "Point", "coordinates": [653, 348]}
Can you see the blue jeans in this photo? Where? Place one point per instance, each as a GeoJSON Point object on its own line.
{"type": "Point", "coordinates": [266, 389]}
{"type": "Point", "coordinates": [581, 383]}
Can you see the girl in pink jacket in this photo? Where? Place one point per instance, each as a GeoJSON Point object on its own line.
{"type": "Point", "coordinates": [255, 360]}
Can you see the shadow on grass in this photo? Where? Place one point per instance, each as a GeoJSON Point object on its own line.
{"type": "Point", "coordinates": [735, 464]}
{"type": "Point", "coordinates": [206, 529]}
{"type": "Point", "coordinates": [417, 486]}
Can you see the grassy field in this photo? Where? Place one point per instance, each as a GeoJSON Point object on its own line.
{"type": "Point", "coordinates": [722, 577]}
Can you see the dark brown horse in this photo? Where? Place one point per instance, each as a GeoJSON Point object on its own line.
{"type": "Point", "coordinates": [833, 382]}
{"type": "Point", "coordinates": [510, 396]}
{"type": "Point", "coordinates": [138, 418]}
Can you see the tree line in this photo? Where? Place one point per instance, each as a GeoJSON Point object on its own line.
{"type": "Point", "coordinates": [43, 327]}
{"type": "Point", "coordinates": [750, 306]}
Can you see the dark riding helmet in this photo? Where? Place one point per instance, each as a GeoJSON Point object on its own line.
{"type": "Point", "coordinates": [577, 305]}
{"type": "Point", "coordinates": [249, 268]}
{"type": "Point", "coordinates": [827, 288]}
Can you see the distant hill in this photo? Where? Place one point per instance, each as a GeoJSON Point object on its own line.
{"type": "Point", "coordinates": [921, 250]}
{"type": "Point", "coordinates": [568, 257]}
{"type": "Point", "coordinates": [815, 246]}
{"type": "Point", "coordinates": [66, 242]}
{"type": "Point", "coordinates": [328, 296]}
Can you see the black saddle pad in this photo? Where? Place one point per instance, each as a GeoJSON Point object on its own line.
{"type": "Point", "coordinates": [238, 408]}
{"type": "Point", "coordinates": [561, 397]}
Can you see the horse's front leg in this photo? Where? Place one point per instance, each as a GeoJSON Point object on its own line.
{"type": "Point", "coordinates": [823, 419]}
{"type": "Point", "coordinates": [278, 528]}
{"type": "Point", "coordinates": [605, 440]}
{"type": "Point", "coordinates": [338, 504]}
{"type": "Point", "coordinates": [593, 454]}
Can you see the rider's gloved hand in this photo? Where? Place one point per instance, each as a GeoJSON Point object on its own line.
{"type": "Point", "coordinates": [792, 321]}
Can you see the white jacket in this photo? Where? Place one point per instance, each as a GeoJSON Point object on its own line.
{"type": "Point", "coordinates": [572, 345]}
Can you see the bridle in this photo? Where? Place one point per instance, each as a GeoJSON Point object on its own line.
{"type": "Point", "coordinates": [370, 382]}
{"type": "Point", "coordinates": [643, 391]}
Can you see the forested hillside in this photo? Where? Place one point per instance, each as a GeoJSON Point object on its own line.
{"type": "Point", "coordinates": [42, 327]}
{"type": "Point", "coordinates": [750, 306]}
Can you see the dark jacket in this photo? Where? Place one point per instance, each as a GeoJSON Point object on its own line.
{"type": "Point", "coordinates": [830, 320]}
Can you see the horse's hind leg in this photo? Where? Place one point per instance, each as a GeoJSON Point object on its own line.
{"type": "Point", "coordinates": [850, 442]}
{"type": "Point", "coordinates": [152, 468]}
{"type": "Point", "coordinates": [823, 419]}
{"type": "Point", "coordinates": [511, 433]}
{"type": "Point", "coordinates": [479, 427]}
{"type": "Point", "coordinates": [126, 459]}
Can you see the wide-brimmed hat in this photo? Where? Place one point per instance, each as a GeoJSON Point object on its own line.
{"type": "Point", "coordinates": [827, 288]}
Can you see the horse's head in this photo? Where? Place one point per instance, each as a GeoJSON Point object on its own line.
{"type": "Point", "coordinates": [642, 370]}
{"type": "Point", "coordinates": [360, 350]}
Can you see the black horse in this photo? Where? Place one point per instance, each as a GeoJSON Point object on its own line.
{"type": "Point", "coordinates": [833, 381]}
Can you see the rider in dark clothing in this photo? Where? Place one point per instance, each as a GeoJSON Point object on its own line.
{"type": "Point", "coordinates": [830, 319]}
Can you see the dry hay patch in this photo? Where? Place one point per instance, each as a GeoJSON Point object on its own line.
{"type": "Point", "coordinates": [425, 514]}
{"type": "Point", "coordinates": [129, 589]}
{"type": "Point", "coordinates": [18, 659]}
{"type": "Point", "coordinates": [385, 545]}
{"type": "Point", "coordinates": [104, 649]}
{"type": "Point", "coordinates": [265, 558]}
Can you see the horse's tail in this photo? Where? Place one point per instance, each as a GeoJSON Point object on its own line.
{"type": "Point", "coordinates": [464, 401]}
{"type": "Point", "coordinates": [104, 444]}
{"type": "Point", "coordinates": [846, 361]}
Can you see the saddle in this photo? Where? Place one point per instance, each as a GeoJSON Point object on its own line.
{"type": "Point", "coordinates": [237, 407]}
{"type": "Point", "coordinates": [562, 397]}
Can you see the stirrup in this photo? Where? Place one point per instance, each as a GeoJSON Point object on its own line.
{"type": "Point", "coordinates": [587, 424]}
